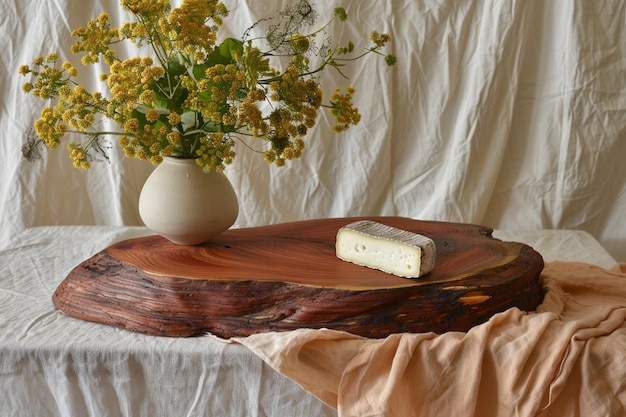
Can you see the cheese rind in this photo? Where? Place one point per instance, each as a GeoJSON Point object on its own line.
{"type": "Point", "coordinates": [388, 249]}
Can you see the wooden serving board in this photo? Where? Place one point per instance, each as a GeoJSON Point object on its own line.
{"type": "Point", "coordinates": [286, 276]}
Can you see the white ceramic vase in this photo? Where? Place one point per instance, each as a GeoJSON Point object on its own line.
{"type": "Point", "coordinates": [186, 205]}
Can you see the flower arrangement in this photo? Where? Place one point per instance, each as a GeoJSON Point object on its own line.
{"type": "Point", "coordinates": [196, 95]}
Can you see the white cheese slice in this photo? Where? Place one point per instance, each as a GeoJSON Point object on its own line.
{"type": "Point", "coordinates": [388, 249]}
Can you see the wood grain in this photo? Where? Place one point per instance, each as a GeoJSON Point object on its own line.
{"type": "Point", "coordinates": [286, 276]}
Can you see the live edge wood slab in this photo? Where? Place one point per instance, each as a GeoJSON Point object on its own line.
{"type": "Point", "coordinates": [286, 276]}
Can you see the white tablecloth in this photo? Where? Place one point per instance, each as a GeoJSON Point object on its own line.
{"type": "Point", "coordinates": [53, 365]}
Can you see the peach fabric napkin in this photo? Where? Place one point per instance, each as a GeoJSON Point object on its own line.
{"type": "Point", "coordinates": [566, 359]}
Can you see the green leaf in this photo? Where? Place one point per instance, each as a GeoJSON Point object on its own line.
{"type": "Point", "coordinates": [175, 66]}
{"type": "Point", "coordinates": [224, 54]}
{"type": "Point", "coordinates": [231, 48]}
{"type": "Point", "coordinates": [216, 57]}
{"type": "Point", "coordinates": [199, 71]}
{"type": "Point", "coordinates": [188, 119]}
{"type": "Point", "coordinates": [169, 95]}
{"type": "Point", "coordinates": [141, 117]}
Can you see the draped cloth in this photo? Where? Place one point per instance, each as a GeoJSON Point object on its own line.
{"type": "Point", "coordinates": [566, 359]}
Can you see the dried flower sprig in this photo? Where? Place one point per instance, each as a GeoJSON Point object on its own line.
{"type": "Point", "coordinates": [194, 97]}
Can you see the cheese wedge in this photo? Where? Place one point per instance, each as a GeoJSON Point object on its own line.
{"type": "Point", "coordinates": [388, 249]}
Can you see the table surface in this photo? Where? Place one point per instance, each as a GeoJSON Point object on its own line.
{"type": "Point", "coordinates": [55, 365]}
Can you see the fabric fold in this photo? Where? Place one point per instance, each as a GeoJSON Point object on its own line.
{"type": "Point", "coordinates": [567, 358]}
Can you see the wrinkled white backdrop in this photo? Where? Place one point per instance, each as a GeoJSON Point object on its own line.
{"type": "Point", "coordinates": [510, 114]}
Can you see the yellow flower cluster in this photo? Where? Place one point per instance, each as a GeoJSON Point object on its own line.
{"type": "Point", "coordinates": [216, 149]}
{"type": "Point", "coordinates": [49, 78]}
{"type": "Point", "coordinates": [193, 97]}
{"type": "Point", "coordinates": [79, 157]}
{"type": "Point", "coordinates": [344, 111]}
{"type": "Point", "coordinates": [95, 41]}
{"type": "Point", "coordinates": [190, 33]}
{"type": "Point", "coordinates": [48, 128]}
